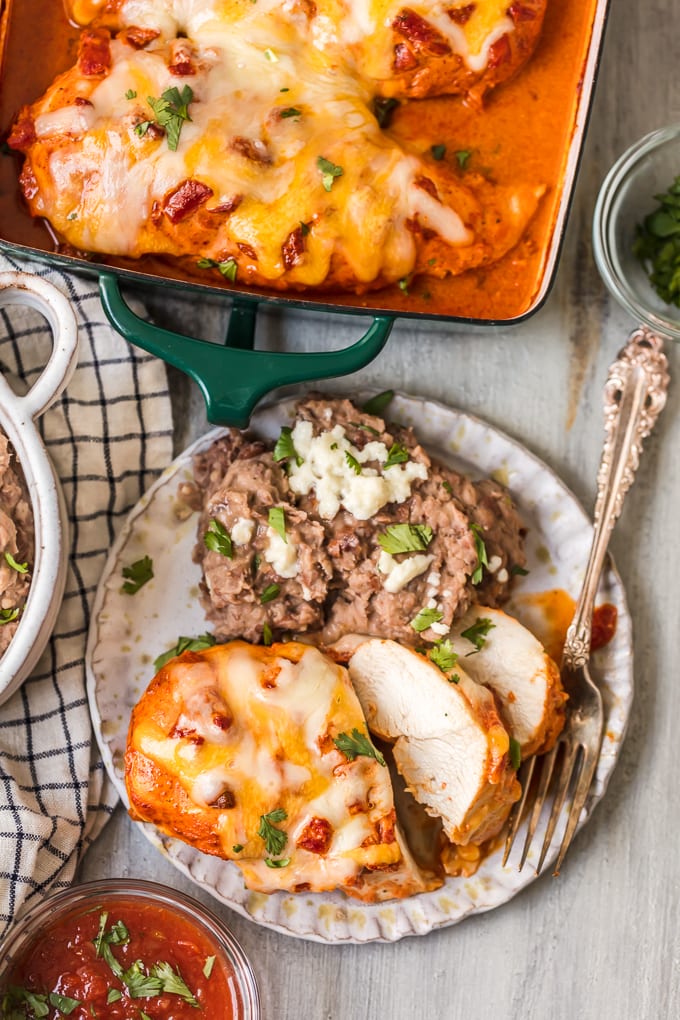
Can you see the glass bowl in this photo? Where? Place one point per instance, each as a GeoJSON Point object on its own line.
{"type": "Point", "coordinates": [626, 197]}
{"type": "Point", "coordinates": [81, 946]}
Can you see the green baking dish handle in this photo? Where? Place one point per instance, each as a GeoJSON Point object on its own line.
{"type": "Point", "coordinates": [233, 378]}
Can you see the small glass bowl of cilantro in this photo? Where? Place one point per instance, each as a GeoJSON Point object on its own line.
{"type": "Point", "coordinates": [636, 231]}
{"type": "Point", "coordinates": [142, 946]}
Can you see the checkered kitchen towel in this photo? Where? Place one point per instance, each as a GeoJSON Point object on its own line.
{"type": "Point", "coordinates": [109, 435]}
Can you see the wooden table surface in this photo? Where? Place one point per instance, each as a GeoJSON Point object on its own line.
{"type": "Point", "coordinates": [603, 940]}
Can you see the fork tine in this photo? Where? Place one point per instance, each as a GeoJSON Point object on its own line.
{"type": "Point", "coordinates": [518, 809]}
{"type": "Point", "coordinates": [588, 765]}
{"type": "Point", "coordinates": [569, 768]}
{"type": "Point", "coordinates": [548, 764]}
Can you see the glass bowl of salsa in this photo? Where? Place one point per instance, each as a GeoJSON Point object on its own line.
{"type": "Point", "coordinates": [636, 231]}
{"type": "Point", "coordinates": [124, 950]}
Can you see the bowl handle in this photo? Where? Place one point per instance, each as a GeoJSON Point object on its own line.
{"type": "Point", "coordinates": [26, 289]}
{"type": "Point", "coordinates": [234, 377]}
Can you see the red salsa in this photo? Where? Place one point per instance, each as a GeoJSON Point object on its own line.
{"type": "Point", "coordinates": [121, 960]}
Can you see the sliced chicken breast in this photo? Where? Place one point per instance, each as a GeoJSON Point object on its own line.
{"type": "Point", "coordinates": [450, 744]}
{"type": "Point", "coordinates": [513, 664]}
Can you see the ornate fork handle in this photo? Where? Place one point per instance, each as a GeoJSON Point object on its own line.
{"type": "Point", "coordinates": [634, 396]}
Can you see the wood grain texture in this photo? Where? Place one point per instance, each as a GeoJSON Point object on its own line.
{"type": "Point", "coordinates": [603, 940]}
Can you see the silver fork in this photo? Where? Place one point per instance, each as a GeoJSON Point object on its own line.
{"type": "Point", "coordinates": [634, 395]}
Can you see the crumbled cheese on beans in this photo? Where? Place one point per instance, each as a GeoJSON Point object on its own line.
{"type": "Point", "coordinates": [399, 574]}
{"type": "Point", "coordinates": [242, 531]}
{"type": "Point", "coordinates": [281, 555]}
{"type": "Point", "coordinates": [327, 471]}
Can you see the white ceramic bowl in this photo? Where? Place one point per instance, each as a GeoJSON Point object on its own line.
{"type": "Point", "coordinates": [18, 414]}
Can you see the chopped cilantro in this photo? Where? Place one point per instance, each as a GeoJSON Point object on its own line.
{"type": "Point", "coordinates": [277, 521]}
{"type": "Point", "coordinates": [269, 594]}
{"type": "Point", "coordinates": [228, 269]}
{"type": "Point", "coordinates": [438, 151]}
{"type": "Point", "coordinates": [401, 538]}
{"type": "Point", "coordinates": [9, 615]}
{"type": "Point", "coordinates": [21, 568]}
{"type": "Point", "coordinates": [218, 539]}
{"type": "Point", "coordinates": [267, 636]}
{"type": "Point", "coordinates": [476, 634]}
{"type": "Point", "coordinates": [517, 571]}
{"type": "Point", "coordinates": [329, 171]}
{"type": "Point", "coordinates": [379, 403]}
{"type": "Point", "coordinates": [353, 462]}
{"type": "Point", "coordinates": [290, 111]}
{"type": "Point", "coordinates": [463, 155]}
{"type": "Point", "coordinates": [384, 110]}
{"type": "Point", "coordinates": [397, 454]}
{"type": "Point", "coordinates": [184, 644]}
{"type": "Point", "coordinates": [274, 839]}
{"type": "Point", "coordinates": [285, 448]}
{"type": "Point", "coordinates": [282, 862]}
{"type": "Point", "coordinates": [425, 618]}
{"type": "Point", "coordinates": [131, 94]}
{"type": "Point", "coordinates": [515, 751]}
{"type": "Point", "coordinates": [357, 745]}
{"type": "Point", "coordinates": [443, 656]}
{"type": "Point", "coordinates": [137, 575]}
{"type": "Point", "coordinates": [210, 960]}
{"type": "Point", "coordinates": [482, 558]}
{"type": "Point", "coordinates": [171, 111]}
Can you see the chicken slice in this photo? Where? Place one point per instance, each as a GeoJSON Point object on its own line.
{"type": "Point", "coordinates": [513, 664]}
{"type": "Point", "coordinates": [449, 742]}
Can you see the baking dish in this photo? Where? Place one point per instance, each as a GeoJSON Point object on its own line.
{"type": "Point", "coordinates": [18, 415]}
{"type": "Point", "coordinates": [554, 91]}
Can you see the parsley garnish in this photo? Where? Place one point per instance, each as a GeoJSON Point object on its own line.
{"type": "Point", "coordinates": [282, 862]}
{"type": "Point", "coordinates": [379, 403]}
{"type": "Point", "coordinates": [113, 995]}
{"type": "Point", "coordinates": [425, 618]}
{"type": "Point", "coordinates": [64, 1003]}
{"type": "Point", "coordinates": [270, 593]}
{"type": "Point", "coordinates": [657, 245]}
{"type": "Point", "coordinates": [404, 284]}
{"type": "Point", "coordinates": [353, 462]}
{"type": "Point", "coordinates": [142, 128]}
{"type": "Point", "coordinates": [184, 644]}
{"type": "Point", "coordinates": [438, 151]}
{"type": "Point", "coordinates": [9, 615]}
{"type": "Point", "coordinates": [171, 111]}
{"type": "Point", "coordinates": [357, 745]}
{"type": "Point", "coordinates": [285, 448]}
{"type": "Point", "coordinates": [173, 982]}
{"type": "Point", "coordinates": [237, 847]}
{"type": "Point", "coordinates": [304, 228]}
{"type": "Point", "coordinates": [517, 571]}
{"type": "Point", "coordinates": [463, 156]}
{"type": "Point", "coordinates": [274, 839]}
{"type": "Point", "coordinates": [476, 634]}
{"type": "Point", "coordinates": [228, 269]}
{"type": "Point", "coordinates": [365, 428]}
{"type": "Point", "coordinates": [398, 454]}
{"type": "Point", "coordinates": [401, 538]}
{"type": "Point", "coordinates": [267, 636]}
{"type": "Point", "coordinates": [482, 558]}
{"type": "Point", "coordinates": [443, 656]}
{"type": "Point", "coordinates": [329, 171]}
{"type": "Point", "coordinates": [277, 521]}
{"type": "Point", "coordinates": [515, 751]}
{"type": "Point", "coordinates": [218, 539]}
{"type": "Point", "coordinates": [271, 56]}
{"type": "Point", "coordinates": [210, 960]}
{"type": "Point", "coordinates": [290, 111]}
{"type": "Point", "coordinates": [446, 486]}
{"type": "Point", "coordinates": [21, 568]}
{"type": "Point", "coordinates": [131, 94]}
{"type": "Point", "coordinates": [384, 110]}
{"type": "Point", "coordinates": [138, 574]}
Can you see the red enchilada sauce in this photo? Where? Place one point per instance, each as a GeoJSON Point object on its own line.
{"type": "Point", "coordinates": [121, 961]}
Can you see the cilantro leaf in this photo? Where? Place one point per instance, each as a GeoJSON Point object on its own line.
{"type": "Point", "coordinates": [379, 403]}
{"type": "Point", "coordinates": [285, 448]}
{"type": "Point", "coordinates": [237, 848]}
{"type": "Point", "coordinates": [329, 171]}
{"type": "Point", "coordinates": [438, 151]}
{"type": "Point", "coordinates": [218, 539]}
{"type": "Point", "coordinates": [353, 462]}
{"type": "Point", "coordinates": [384, 110]}
{"type": "Point", "coordinates": [357, 745]}
{"type": "Point", "coordinates": [269, 594]}
{"type": "Point", "coordinates": [480, 549]}
{"type": "Point", "coordinates": [131, 94]}
{"type": "Point", "coordinates": [138, 574]}
{"type": "Point", "coordinates": [274, 839]}
{"type": "Point", "coordinates": [173, 982]}
{"type": "Point", "coordinates": [290, 111]}
{"type": "Point", "coordinates": [515, 752]}
{"type": "Point", "coordinates": [397, 454]}
{"type": "Point", "coordinates": [402, 538]}
{"type": "Point", "coordinates": [365, 428]}
{"type": "Point", "coordinates": [517, 571]}
{"type": "Point", "coordinates": [425, 618]}
{"type": "Point", "coordinates": [210, 961]}
{"type": "Point", "coordinates": [476, 634]}
{"type": "Point", "coordinates": [443, 655]}
{"type": "Point", "coordinates": [267, 636]}
{"type": "Point", "coordinates": [463, 155]}
{"type": "Point", "coordinates": [63, 1003]}
{"type": "Point", "coordinates": [113, 995]}
{"type": "Point", "coordinates": [139, 984]}
{"type": "Point", "coordinates": [171, 111]}
{"type": "Point", "coordinates": [277, 521]}
{"type": "Point", "coordinates": [21, 568]}
{"type": "Point", "coordinates": [229, 268]}
{"type": "Point", "coordinates": [8, 615]}
{"type": "Point", "coordinates": [184, 644]}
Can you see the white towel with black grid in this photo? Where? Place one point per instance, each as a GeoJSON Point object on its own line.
{"type": "Point", "coordinates": [109, 435]}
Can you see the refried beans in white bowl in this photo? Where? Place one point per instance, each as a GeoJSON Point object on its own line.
{"type": "Point", "coordinates": [33, 525]}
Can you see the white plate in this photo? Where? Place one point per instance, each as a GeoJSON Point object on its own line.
{"type": "Point", "coordinates": [128, 632]}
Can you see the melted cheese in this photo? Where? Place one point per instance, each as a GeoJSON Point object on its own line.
{"type": "Point", "coordinates": [263, 718]}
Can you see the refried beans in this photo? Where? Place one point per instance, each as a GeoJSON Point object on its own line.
{"type": "Point", "coordinates": [16, 543]}
{"type": "Point", "coordinates": [346, 526]}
